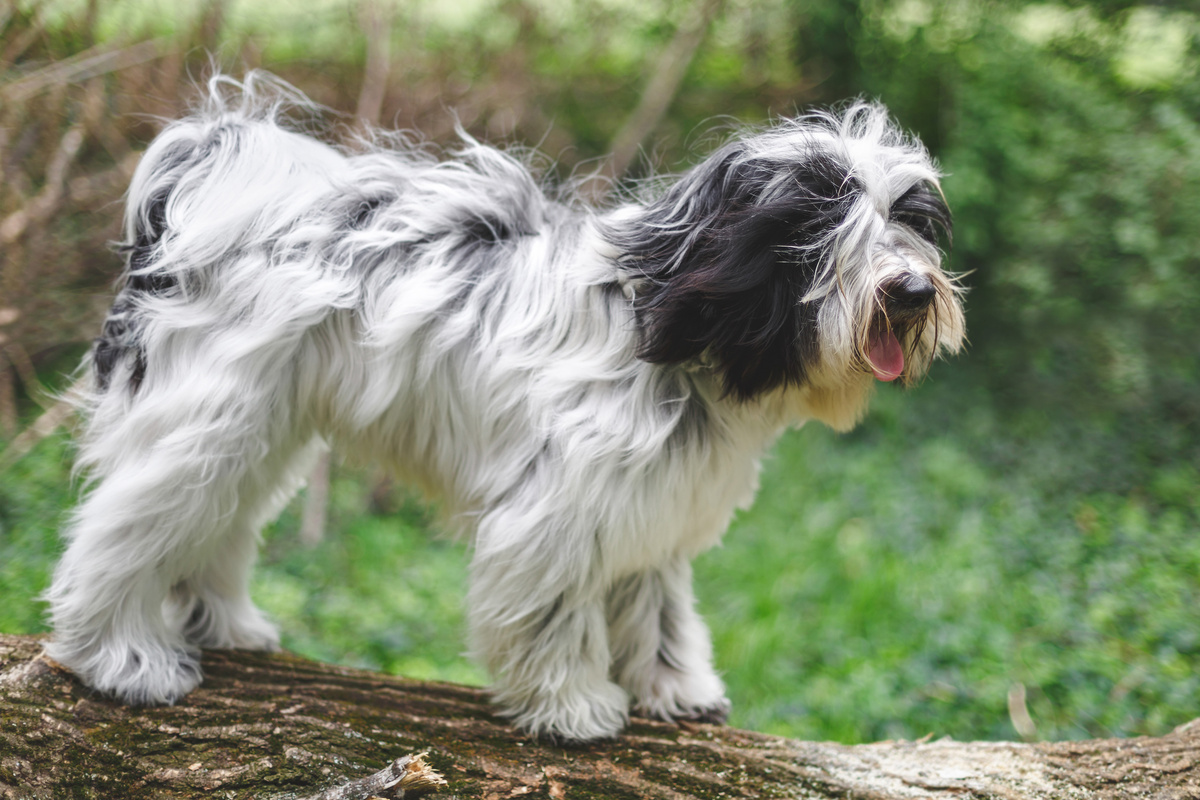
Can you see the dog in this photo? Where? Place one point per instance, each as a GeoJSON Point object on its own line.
{"type": "Point", "coordinates": [587, 390]}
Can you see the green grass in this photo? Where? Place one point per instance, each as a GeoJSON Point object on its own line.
{"type": "Point", "coordinates": [892, 582]}
{"type": "Point", "coordinates": [382, 591]}
{"type": "Point", "coordinates": [34, 500]}
{"type": "Point", "coordinates": [901, 580]}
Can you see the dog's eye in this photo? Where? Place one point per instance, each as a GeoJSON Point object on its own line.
{"type": "Point", "coordinates": [924, 212]}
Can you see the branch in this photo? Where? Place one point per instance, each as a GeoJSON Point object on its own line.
{"type": "Point", "coordinates": [376, 20]}
{"type": "Point", "coordinates": [316, 503]}
{"type": "Point", "coordinates": [406, 777]}
{"type": "Point", "coordinates": [46, 423]}
{"type": "Point", "coordinates": [664, 82]}
{"type": "Point", "coordinates": [666, 76]}
{"type": "Point", "coordinates": [49, 199]}
{"type": "Point", "coordinates": [99, 60]}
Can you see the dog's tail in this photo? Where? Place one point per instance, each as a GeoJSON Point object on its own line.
{"type": "Point", "coordinates": [208, 187]}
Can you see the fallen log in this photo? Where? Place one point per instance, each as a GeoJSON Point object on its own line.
{"type": "Point", "coordinates": [280, 726]}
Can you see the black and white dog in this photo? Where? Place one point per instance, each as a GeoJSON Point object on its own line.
{"type": "Point", "coordinates": [588, 391]}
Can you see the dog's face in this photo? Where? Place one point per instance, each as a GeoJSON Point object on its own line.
{"type": "Point", "coordinates": [805, 260]}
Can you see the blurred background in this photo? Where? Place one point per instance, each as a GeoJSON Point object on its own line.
{"type": "Point", "coordinates": [1010, 550]}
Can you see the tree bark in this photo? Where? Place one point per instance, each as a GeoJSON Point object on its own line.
{"type": "Point", "coordinates": [276, 726]}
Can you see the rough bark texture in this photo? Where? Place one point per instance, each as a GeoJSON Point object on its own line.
{"type": "Point", "coordinates": [279, 726]}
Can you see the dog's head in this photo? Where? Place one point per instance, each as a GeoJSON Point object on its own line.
{"type": "Point", "coordinates": [806, 256]}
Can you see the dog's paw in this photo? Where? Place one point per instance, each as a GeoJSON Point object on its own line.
{"type": "Point", "coordinates": [577, 717]}
{"type": "Point", "coordinates": [145, 674]}
{"type": "Point", "coordinates": [715, 714]}
{"type": "Point", "coordinates": [673, 695]}
{"type": "Point", "coordinates": [263, 637]}
{"type": "Point", "coordinates": [163, 679]}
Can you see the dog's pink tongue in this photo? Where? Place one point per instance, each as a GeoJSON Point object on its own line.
{"type": "Point", "coordinates": [886, 356]}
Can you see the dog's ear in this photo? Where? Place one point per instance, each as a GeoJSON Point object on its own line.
{"type": "Point", "coordinates": [727, 256]}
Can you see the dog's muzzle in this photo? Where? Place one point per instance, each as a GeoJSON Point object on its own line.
{"type": "Point", "coordinates": [907, 296]}
{"type": "Point", "coordinates": [904, 300]}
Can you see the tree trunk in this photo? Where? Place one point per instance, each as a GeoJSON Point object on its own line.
{"type": "Point", "coordinates": [280, 726]}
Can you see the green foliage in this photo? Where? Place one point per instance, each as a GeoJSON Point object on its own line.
{"type": "Point", "coordinates": [1075, 199]}
{"type": "Point", "coordinates": [381, 591]}
{"type": "Point", "coordinates": [34, 502]}
{"type": "Point", "coordinates": [1092, 269]}
{"type": "Point", "coordinates": [901, 580]}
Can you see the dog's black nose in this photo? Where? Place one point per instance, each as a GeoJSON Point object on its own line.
{"type": "Point", "coordinates": [909, 294]}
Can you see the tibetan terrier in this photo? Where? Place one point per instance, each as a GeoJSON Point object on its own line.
{"type": "Point", "coordinates": [587, 391]}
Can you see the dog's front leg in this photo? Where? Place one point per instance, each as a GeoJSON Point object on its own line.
{"type": "Point", "coordinates": [661, 648]}
{"type": "Point", "coordinates": [546, 645]}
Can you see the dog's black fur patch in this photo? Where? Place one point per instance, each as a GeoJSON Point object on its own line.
{"type": "Point", "coordinates": [924, 210]}
{"type": "Point", "coordinates": [725, 266]}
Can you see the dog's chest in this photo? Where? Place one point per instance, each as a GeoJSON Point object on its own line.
{"type": "Point", "coordinates": [685, 510]}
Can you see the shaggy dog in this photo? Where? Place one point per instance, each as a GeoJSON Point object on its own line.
{"type": "Point", "coordinates": [588, 391]}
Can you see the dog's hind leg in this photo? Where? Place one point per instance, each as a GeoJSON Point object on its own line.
{"type": "Point", "coordinates": [662, 653]}
{"type": "Point", "coordinates": [170, 462]}
{"type": "Point", "coordinates": [212, 606]}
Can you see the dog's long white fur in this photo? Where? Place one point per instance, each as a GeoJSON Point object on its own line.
{"type": "Point", "coordinates": [448, 318]}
